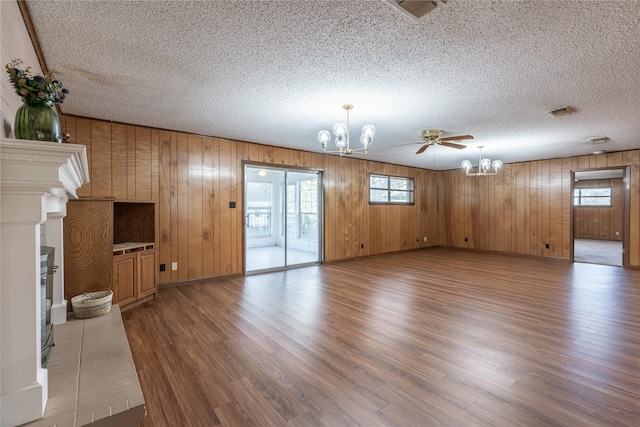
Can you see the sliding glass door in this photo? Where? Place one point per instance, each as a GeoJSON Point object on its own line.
{"type": "Point", "coordinates": [283, 218]}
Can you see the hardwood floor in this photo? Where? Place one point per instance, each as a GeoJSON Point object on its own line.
{"type": "Point", "coordinates": [426, 338]}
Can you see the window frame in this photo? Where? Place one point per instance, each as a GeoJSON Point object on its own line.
{"type": "Point", "coordinates": [389, 190]}
{"type": "Point", "coordinates": [579, 197]}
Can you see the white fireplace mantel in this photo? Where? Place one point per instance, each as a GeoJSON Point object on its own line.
{"type": "Point", "coordinates": [36, 181]}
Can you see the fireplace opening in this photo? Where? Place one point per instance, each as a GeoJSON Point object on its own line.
{"type": "Point", "coordinates": [47, 269]}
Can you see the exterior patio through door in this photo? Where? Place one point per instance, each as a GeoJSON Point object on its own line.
{"type": "Point", "coordinates": [283, 218]}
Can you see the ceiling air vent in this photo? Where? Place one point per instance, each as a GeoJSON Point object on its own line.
{"type": "Point", "coordinates": [599, 140]}
{"type": "Point", "coordinates": [561, 111]}
{"type": "Point", "coordinates": [416, 8]}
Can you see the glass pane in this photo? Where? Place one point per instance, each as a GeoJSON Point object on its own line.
{"type": "Point", "coordinates": [596, 201]}
{"type": "Point", "coordinates": [259, 222]}
{"type": "Point", "coordinates": [595, 192]}
{"type": "Point", "coordinates": [401, 197]}
{"type": "Point", "coordinates": [308, 226]}
{"type": "Point", "coordinates": [308, 196]}
{"type": "Point", "coordinates": [292, 225]}
{"type": "Point", "coordinates": [378, 195]}
{"type": "Point", "coordinates": [377, 181]}
{"type": "Point", "coordinates": [259, 194]}
{"type": "Point", "coordinates": [401, 184]}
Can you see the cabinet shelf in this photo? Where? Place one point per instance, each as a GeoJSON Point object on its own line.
{"type": "Point", "coordinates": [125, 248]}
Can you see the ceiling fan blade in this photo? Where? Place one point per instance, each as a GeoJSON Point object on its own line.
{"type": "Point", "coordinates": [456, 138]}
{"type": "Point", "coordinates": [410, 143]}
{"type": "Point", "coordinates": [453, 145]}
{"type": "Point", "coordinates": [422, 149]}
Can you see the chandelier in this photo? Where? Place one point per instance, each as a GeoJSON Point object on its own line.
{"type": "Point", "coordinates": [341, 132]}
{"type": "Point", "coordinates": [484, 166]}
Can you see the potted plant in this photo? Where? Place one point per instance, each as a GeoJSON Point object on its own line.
{"type": "Point", "coordinates": [36, 119]}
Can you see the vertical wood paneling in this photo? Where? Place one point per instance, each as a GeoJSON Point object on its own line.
{"type": "Point", "coordinates": [565, 200]}
{"type": "Point", "coordinates": [195, 187]}
{"type": "Point", "coordinates": [119, 157]}
{"type": "Point", "coordinates": [208, 207]}
{"type": "Point", "coordinates": [520, 209]}
{"type": "Point", "coordinates": [83, 136]}
{"type": "Point", "coordinates": [633, 159]}
{"type": "Point", "coordinates": [143, 164]}
{"type": "Point", "coordinates": [174, 207]}
{"type": "Point", "coordinates": [131, 162]}
{"type": "Point", "coordinates": [182, 255]}
{"type": "Point", "coordinates": [555, 208]}
{"type": "Point", "coordinates": [164, 204]}
{"type": "Point", "coordinates": [227, 167]}
{"type": "Point", "coordinates": [101, 158]}
{"type": "Point", "coordinates": [601, 223]}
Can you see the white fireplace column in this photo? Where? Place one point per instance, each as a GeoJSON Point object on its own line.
{"type": "Point", "coordinates": [36, 181]}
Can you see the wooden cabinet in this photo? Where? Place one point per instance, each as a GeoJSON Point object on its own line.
{"type": "Point", "coordinates": [134, 271]}
{"type": "Point", "coordinates": [124, 279]}
{"type": "Point", "coordinates": [110, 244]}
{"type": "Point", "coordinates": [147, 282]}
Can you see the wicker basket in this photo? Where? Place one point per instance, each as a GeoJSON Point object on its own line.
{"type": "Point", "coordinates": [91, 304]}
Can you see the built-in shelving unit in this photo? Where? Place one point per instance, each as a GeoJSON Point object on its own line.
{"type": "Point", "coordinates": [111, 246]}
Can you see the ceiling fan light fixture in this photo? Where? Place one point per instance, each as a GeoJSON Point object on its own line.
{"type": "Point", "coordinates": [599, 140]}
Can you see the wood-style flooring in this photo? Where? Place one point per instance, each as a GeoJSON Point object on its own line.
{"type": "Point", "coordinates": [434, 337]}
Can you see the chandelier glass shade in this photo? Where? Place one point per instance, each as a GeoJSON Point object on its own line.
{"type": "Point", "coordinates": [341, 133]}
{"type": "Point", "coordinates": [484, 166]}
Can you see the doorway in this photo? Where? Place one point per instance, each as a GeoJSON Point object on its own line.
{"type": "Point", "coordinates": [283, 218]}
{"type": "Point", "coordinates": [599, 216]}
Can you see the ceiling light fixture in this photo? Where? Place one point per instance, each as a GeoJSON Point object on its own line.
{"type": "Point", "coordinates": [341, 131]}
{"type": "Point", "coordinates": [484, 166]}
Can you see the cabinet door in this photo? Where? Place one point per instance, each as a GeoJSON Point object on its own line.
{"type": "Point", "coordinates": [88, 242]}
{"type": "Point", "coordinates": [146, 273]}
{"type": "Point", "coordinates": [124, 279]}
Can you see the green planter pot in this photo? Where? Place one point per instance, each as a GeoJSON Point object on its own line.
{"type": "Point", "coordinates": [38, 123]}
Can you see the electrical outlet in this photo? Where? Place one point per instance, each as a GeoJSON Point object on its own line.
{"type": "Point", "coordinates": [617, 233]}
{"type": "Point", "coordinates": [417, 239]}
{"type": "Point", "coordinates": [425, 238]}
{"type": "Point", "coordinates": [163, 267]}
{"type": "Point", "coordinates": [174, 266]}
{"type": "Point", "coordinates": [466, 239]}
{"type": "Point", "coordinates": [546, 245]}
{"type": "Point", "coordinates": [361, 245]}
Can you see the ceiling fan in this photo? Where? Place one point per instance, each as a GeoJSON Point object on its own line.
{"type": "Point", "coordinates": [432, 137]}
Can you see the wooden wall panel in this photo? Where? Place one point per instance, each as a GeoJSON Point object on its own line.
{"type": "Point", "coordinates": [119, 161]}
{"type": "Point", "coordinates": [101, 159]}
{"type": "Point", "coordinates": [195, 215]}
{"type": "Point", "coordinates": [632, 158]}
{"type": "Point", "coordinates": [533, 199]}
{"type": "Point", "coordinates": [194, 178]}
{"type": "Point", "coordinates": [164, 204]}
{"type": "Point", "coordinates": [600, 223]}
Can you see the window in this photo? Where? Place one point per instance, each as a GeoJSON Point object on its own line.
{"type": "Point", "coordinates": [259, 209]}
{"type": "Point", "coordinates": [309, 209]}
{"type": "Point", "coordinates": [390, 190]}
{"type": "Point", "coordinates": [302, 209]}
{"type": "Point", "coordinates": [592, 196]}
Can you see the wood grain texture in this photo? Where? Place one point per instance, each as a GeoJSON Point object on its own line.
{"type": "Point", "coordinates": [88, 247]}
{"type": "Point", "coordinates": [518, 211]}
{"type": "Point", "coordinates": [601, 223]}
{"type": "Point", "coordinates": [432, 337]}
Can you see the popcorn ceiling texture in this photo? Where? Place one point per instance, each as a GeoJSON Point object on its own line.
{"type": "Point", "coordinates": [277, 72]}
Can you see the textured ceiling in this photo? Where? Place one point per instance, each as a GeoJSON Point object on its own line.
{"type": "Point", "coordinates": [277, 72]}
